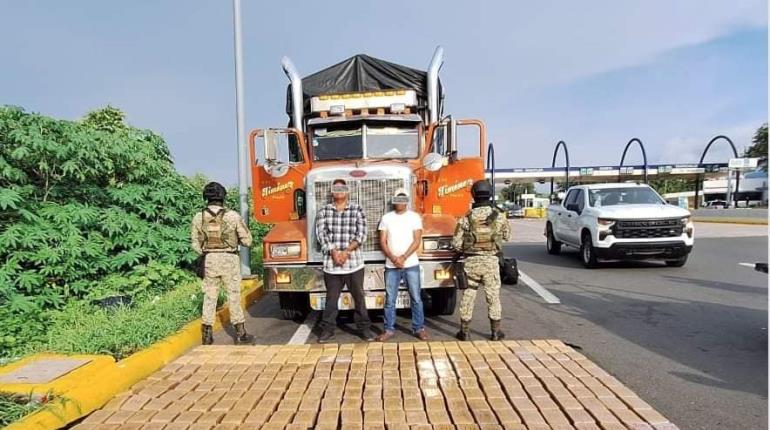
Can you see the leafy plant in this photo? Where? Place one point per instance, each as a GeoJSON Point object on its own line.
{"type": "Point", "coordinates": [88, 209]}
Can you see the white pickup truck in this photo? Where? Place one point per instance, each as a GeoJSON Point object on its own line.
{"type": "Point", "coordinates": [619, 221]}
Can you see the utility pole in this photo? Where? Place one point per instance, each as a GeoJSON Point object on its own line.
{"type": "Point", "coordinates": [243, 180]}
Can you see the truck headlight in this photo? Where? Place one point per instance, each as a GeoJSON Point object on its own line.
{"type": "Point", "coordinates": [685, 220]}
{"type": "Point", "coordinates": [606, 222]}
{"type": "Point", "coordinates": [290, 249]}
{"type": "Point", "coordinates": [437, 244]}
{"type": "Point", "coordinates": [687, 226]}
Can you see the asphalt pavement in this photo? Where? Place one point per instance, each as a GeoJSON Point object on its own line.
{"type": "Point", "coordinates": [691, 341]}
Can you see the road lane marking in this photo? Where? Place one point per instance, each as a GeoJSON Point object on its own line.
{"type": "Point", "coordinates": [303, 331]}
{"type": "Point", "coordinates": [539, 289]}
{"type": "Point", "coordinates": [747, 264]}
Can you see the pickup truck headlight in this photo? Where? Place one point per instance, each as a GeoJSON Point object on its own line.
{"type": "Point", "coordinates": [437, 243]}
{"type": "Point", "coordinates": [606, 222]}
{"type": "Point", "coordinates": [687, 225]}
{"type": "Point", "coordinates": [290, 249]}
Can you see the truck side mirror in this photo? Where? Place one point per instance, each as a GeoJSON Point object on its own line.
{"type": "Point", "coordinates": [271, 145]}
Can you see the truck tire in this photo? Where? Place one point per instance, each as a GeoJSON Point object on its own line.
{"type": "Point", "coordinates": [587, 252]}
{"type": "Point", "coordinates": [679, 262]}
{"type": "Point", "coordinates": [443, 300]}
{"type": "Point", "coordinates": [294, 306]}
{"type": "Point", "coordinates": [552, 245]}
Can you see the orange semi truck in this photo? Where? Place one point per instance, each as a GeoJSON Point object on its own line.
{"type": "Point", "coordinates": [380, 126]}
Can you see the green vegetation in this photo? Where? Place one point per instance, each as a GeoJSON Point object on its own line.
{"type": "Point", "coordinates": [14, 406]}
{"type": "Point", "coordinates": [759, 146]}
{"type": "Point", "coordinates": [92, 209]}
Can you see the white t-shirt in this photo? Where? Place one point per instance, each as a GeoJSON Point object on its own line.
{"type": "Point", "coordinates": [400, 230]}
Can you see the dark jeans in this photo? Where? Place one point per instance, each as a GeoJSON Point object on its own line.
{"type": "Point", "coordinates": [393, 277]}
{"type": "Point", "coordinates": [334, 284]}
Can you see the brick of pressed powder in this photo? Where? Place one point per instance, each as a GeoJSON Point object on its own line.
{"type": "Point", "coordinates": [416, 417]}
{"type": "Point", "coordinates": [210, 417]}
{"type": "Point", "coordinates": [395, 417]}
{"type": "Point", "coordinates": [413, 404]}
{"type": "Point", "coordinates": [372, 404]}
{"type": "Point", "coordinates": [307, 418]}
{"type": "Point", "coordinates": [586, 426]}
{"type": "Point", "coordinates": [580, 416]}
{"type": "Point", "coordinates": [652, 416]}
{"type": "Point", "coordinates": [351, 404]}
{"type": "Point", "coordinates": [223, 405]}
{"type": "Point", "coordinates": [374, 416]}
{"type": "Point", "coordinates": [165, 416]}
{"type": "Point", "coordinates": [484, 416]}
{"type": "Point", "coordinates": [234, 417]}
{"type": "Point", "coordinates": [628, 417]}
{"type": "Point", "coordinates": [328, 417]}
{"type": "Point", "coordinates": [466, 426]}
{"type": "Point", "coordinates": [127, 426]}
{"type": "Point", "coordinates": [439, 416]}
{"type": "Point", "coordinates": [153, 426]}
{"type": "Point", "coordinates": [443, 426]}
{"type": "Point", "coordinates": [461, 416]}
{"type": "Point", "coordinates": [141, 417]}
{"type": "Point", "coordinates": [281, 417]}
{"type": "Point", "coordinates": [135, 402]}
{"type": "Point", "coordinates": [555, 418]}
{"type": "Point", "coordinates": [421, 427]}
{"type": "Point", "coordinates": [351, 416]}
{"type": "Point", "coordinates": [272, 426]}
{"type": "Point", "coordinates": [98, 417]}
{"type": "Point", "coordinates": [507, 415]}
{"type": "Point", "coordinates": [532, 417]}
{"type": "Point", "coordinates": [289, 404]}
{"type": "Point", "coordinates": [119, 417]}
{"type": "Point", "coordinates": [116, 402]}
{"type": "Point", "coordinates": [434, 403]}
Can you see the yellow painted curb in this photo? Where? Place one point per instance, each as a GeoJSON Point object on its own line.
{"type": "Point", "coordinates": [82, 396]}
{"type": "Point", "coordinates": [728, 220]}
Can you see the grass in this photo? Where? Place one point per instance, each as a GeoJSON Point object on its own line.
{"type": "Point", "coordinates": [14, 406]}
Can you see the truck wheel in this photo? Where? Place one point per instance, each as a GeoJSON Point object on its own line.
{"type": "Point", "coordinates": [443, 301]}
{"type": "Point", "coordinates": [552, 245]}
{"type": "Point", "coordinates": [679, 262]}
{"type": "Point", "coordinates": [294, 306]}
{"type": "Point", "coordinates": [587, 252]}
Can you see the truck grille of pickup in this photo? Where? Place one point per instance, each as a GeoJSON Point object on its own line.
{"type": "Point", "coordinates": [647, 228]}
{"type": "Point", "coordinates": [374, 197]}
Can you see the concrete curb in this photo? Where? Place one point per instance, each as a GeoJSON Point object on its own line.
{"type": "Point", "coordinates": [729, 220]}
{"type": "Point", "coordinates": [84, 395]}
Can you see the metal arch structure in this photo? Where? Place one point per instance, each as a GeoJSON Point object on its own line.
{"type": "Point", "coordinates": [700, 162]}
{"type": "Point", "coordinates": [644, 155]}
{"type": "Point", "coordinates": [560, 144]}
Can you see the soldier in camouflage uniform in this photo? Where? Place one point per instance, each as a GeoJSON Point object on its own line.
{"type": "Point", "coordinates": [479, 235]}
{"type": "Point", "coordinates": [217, 232]}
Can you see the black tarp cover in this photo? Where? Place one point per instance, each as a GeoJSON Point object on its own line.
{"type": "Point", "coordinates": [363, 73]}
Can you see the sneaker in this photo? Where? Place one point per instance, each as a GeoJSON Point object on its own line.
{"type": "Point", "coordinates": [421, 334]}
{"type": "Point", "coordinates": [367, 335]}
{"type": "Point", "coordinates": [325, 337]}
{"type": "Point", "coordinates": [387, 334]}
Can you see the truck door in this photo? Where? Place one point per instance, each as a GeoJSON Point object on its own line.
{"type": "Point", "coordinates": [278, 181]}
{"type": "Point", "coordinates": [574, 208]}
{"type": "Point", "coordinates": [446, 190]}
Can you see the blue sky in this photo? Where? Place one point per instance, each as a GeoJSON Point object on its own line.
{"type": "Point", "coordinates": [594, 74]}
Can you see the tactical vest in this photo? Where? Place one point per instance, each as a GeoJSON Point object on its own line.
{"type": "Point", "coordinates": [217, 235]}
{"type": "Point", "coordinates": [483, 234]}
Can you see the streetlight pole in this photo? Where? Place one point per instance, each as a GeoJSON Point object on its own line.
{"type": "Point", "coordinates": [243, 186]}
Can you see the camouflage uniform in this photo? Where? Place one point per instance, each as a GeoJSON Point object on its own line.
{"type": "Point", "coordinates": [481, 265]}
{"type": "Point", "coordinates": [223, 263]}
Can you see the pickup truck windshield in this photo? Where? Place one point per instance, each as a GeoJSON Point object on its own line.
{"type": "Point", "coordinates": [375, 141]}
{"type": "Point", "coordinates": [623, 196]}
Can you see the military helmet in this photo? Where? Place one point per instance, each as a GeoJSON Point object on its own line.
{"type": "Point", "coordinates": [481, 190]}
{"type": "Point", "coordinates": [214, 191]}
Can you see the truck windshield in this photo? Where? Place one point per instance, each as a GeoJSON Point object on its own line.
{"type": "Point", "coordinates": [367, 141]}
{"type": "Point", "coordinates": [623, 196]}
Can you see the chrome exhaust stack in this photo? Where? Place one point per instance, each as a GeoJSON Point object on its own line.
{"type": "Point", "coordinates": [296, 93]}
{"type": "Point", "coordinates": [433, 96]}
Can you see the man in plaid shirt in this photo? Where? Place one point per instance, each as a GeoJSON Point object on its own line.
{"type": "Point", "coordinates": [341, 230]}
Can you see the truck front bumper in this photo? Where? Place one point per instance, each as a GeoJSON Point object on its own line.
{"type": "Point", "coordinates": [644, 250]}
{"type": "Point", "coordinates": [310, 278]}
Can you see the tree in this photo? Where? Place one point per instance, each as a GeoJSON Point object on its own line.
{"type": "Point", "coordinates": [514, 191]}
{"type": "Point", "coordinates": [759, 146]}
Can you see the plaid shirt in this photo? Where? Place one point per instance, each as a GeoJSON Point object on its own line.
{"type": "Point", "coordinates": [335, 230]}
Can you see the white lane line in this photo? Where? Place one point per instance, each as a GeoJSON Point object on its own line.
{"type": "Point", "coordinates": [303, 331]}
{"type": "Point", "coordinates": [747, 264]}
{"type": "Point", "coordinates": [539, 289]}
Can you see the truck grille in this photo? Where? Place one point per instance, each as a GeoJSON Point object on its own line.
{"type": "Point", "coordinates": [647, 228]}
{"type": "Point", "coordinates": [374, 197]}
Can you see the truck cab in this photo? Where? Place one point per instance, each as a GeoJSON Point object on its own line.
{"type": "Point", "coordinates": [380, 132]}
{"type": "Point", "coordinates": [619, 221]}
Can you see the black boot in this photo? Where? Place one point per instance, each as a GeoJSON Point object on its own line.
{"type": "Point", "coordinates": [207, 334]}
{"type": "Point", "coordinates": [241, 337]}
{"type": "Point", "coordinates": [465, 331]}
{"type": "Point", "coordinates": [497, 334]}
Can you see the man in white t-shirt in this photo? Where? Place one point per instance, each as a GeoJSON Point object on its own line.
{"type": "Point", "coordinates": [400, 236]}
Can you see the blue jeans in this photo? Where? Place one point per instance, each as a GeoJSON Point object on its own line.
{"type": "Point", "coordinates": [411, 276]}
